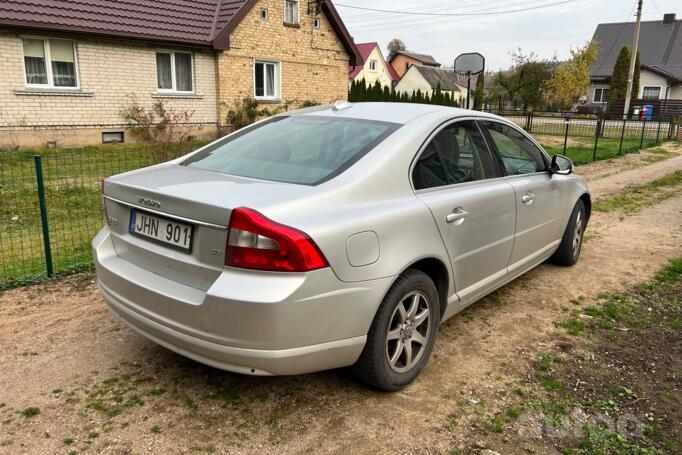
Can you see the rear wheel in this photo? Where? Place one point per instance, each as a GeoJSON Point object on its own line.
{"type": "Point", "coordinates": [571, 245]}
{"type": "Point", "coordinates": [402, 334]}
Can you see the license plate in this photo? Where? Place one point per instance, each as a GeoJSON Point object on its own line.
{"type": "Point", "coordinates": [161, 229]}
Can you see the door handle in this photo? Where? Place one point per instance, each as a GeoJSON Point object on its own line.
{"type": "Point", "coordinates": [528, 198]}
{"type": "Point", "coordinates": [457, 216]}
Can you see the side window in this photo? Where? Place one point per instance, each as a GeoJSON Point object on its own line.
{"type": "Point", "coordinates": [519, 155]}
{"type": "Point", "coordinates": [457, 154]}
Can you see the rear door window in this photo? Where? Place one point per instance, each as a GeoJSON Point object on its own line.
{"type": "Point", "coordinates": [299, 149]}
{"type": "Point", "coordinates": [457, 154]}
{"type": "Point", "coordinates": [518, 153]}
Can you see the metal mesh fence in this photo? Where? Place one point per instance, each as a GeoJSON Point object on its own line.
{"type": "Point", "coordinates": [73, 205]}
{"type": "Point", "coordinates": [72, 208]}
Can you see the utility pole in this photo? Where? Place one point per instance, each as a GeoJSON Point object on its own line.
{"type": "Point", "coordinates": [633, 59]}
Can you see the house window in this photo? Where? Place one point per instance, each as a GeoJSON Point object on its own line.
{"type": "Point", "coordinates": [50, 63]}
{"type": "Point", "coordinates": [601, 95]}
{"type": "Point", "coordinates": [291, 11]}
{"type": "Point", "coordinates": [372, 65]}
{"type": "Point", "coordinates": [264, 14]}
{"type": "Point", "coordinates": [112, 138]}
{"type": "Point", "coordinates": [651, 93]}
{"type": "Point", "coordinates": [175, 71]}
{"type": "Point", "coordinates": [316, 23]}
{"type": "Point", "coordinates": [266, 80]}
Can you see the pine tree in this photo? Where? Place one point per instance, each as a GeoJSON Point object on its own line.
{"type": "Point", "coordinates": [480, 92]}
{"type": "Point", "coordinates": [377, 92]}
{"type": "Point", "coordinates": [387, 94]}
{"type": "Point", "coordinates": [437, 95]}
{"type": "Point", "coordinates": [351, 91]}
{"type": "Point", "coordinates": [619, 78]}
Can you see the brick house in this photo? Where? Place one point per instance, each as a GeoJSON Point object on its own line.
{"type": "Point", "coordinates": [69, 68]}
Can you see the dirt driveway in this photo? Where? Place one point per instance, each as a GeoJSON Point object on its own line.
{"type": "Point", "coordinates": [72, 380]}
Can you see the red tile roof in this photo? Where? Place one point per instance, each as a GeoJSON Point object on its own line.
{"type": "Point", "coordinates": [365, 49]}
{"type": "Point", "coordinates": [191, 22]}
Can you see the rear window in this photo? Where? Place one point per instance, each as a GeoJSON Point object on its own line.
{"type": "Point", "coordinates": [304, 149]}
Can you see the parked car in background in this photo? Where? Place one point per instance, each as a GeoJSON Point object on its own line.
{"type": "Point", "coordinates": [334, 236]}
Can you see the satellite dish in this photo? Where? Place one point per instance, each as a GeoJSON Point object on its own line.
{"type": "Point", "coordinates": [470, 64]}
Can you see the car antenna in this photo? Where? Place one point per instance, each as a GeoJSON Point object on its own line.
{"type": "Point", "coordinates": [341, 105]}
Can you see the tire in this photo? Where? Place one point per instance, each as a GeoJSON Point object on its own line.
{"type": "Point", "coordinates": [571, 244]}
{"type": "Point", "coordinates": [415, 293]}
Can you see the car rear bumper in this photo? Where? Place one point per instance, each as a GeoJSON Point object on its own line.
{"type": "Point", "coordinates": [247, 322]}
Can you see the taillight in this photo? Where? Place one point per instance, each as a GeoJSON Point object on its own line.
{"type": "Point", "coordinates": [258, 243]}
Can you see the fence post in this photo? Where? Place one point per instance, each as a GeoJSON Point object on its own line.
{"type": "Point", "coordinates": [641, 140]}
{"type": "Point", "coordinates": [568, 122]}
{"type": "Point", "coordinates": [43, 214]}
{"type": "Point", "coordinates": [658, 131]}
{"type": "Point", "coordinates": [622, 136]}
{"type": "Point", "coordinates": [596, 140]}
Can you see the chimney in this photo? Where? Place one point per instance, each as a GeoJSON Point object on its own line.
{"type": "Point", "coordinates": [669, 19]}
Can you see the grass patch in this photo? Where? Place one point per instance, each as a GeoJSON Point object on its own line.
{"type": "Point", "coordinates": [510, 415]}
{"type": "Point", "coordinates": [72, 190]}
{"type": "Point", "coordinates": [635, 198]}
{"type": "Point", "coordinates": [117, 394]}
{"type": "Point", "coordinates": [574, 326]}
{"type": "Point", "coordinates": [155, 429]}
{"type": "Point", "coordinates": [68, 441]}
{"type": "Point", "coordinates": [601, 441]}
{"type": "Point", "coordinates": [31, 411]}
{"type": "Point", "coordinates": [581, 150]}
{"type": "Point", "coordinates": [671, 272]}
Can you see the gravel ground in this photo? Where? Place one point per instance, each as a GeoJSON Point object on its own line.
{"type": "Point", "coordinates": [73, 379]}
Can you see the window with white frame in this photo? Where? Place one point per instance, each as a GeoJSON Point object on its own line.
{"type": "Point", "coordinates": [372, 65]}
{"type": "Point", "coordinates": [651, 93]}
{"type": "Point", "coordinates": [266, 80]}
{"type": "Point", "coordinates": [175, 71]}
{"type": "Point", "coordinates": [50, 63]}
{"type": "Point", "coordinates": [291, 11]}
{"type": "Point", "coordinates": [601, 95]}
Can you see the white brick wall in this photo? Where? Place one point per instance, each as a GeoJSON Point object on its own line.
{"type": "Point", "coordinates": [109, 70]}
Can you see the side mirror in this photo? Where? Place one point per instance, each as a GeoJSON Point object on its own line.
{"type": "Point", "coordinates": [561, 165]}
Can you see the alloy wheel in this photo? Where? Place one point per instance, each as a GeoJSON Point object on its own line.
{"type": "Point", "coordinates": [408, 332]}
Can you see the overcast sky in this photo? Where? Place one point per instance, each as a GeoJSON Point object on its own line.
{"type": "Point", "coordinates": [544, 31]}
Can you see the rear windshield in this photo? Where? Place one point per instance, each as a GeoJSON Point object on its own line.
{"type": "Point", "coordinates": [304, 149]}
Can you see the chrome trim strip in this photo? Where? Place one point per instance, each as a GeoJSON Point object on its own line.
{"type": "Point", "coordinates": [168, 215]}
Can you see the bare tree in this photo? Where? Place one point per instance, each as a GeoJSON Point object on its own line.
{"type": "Point", "coordinates": [396, 45]}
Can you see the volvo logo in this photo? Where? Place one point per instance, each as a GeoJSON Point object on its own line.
{"type": "Point", "coordinates": [149, 202]}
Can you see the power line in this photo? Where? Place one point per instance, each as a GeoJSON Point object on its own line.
{"type": "Point", "coordinates": [372, 19]}
{"type": "Point", "coordinates": [620, 32]}
{"type": "Point", "coordinates": [416, 13]}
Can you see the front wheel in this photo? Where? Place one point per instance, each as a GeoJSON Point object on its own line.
{"type": "Point", "coordinates": [571, 245]}
{"type": "Point", "coordinates": [402, 334]}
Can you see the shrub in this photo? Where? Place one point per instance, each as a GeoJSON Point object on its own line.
{"type": "Point", "coordinates": [160, 125]}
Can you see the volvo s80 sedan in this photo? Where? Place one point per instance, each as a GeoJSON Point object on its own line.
{"type": "Point", "coordinates": [333, 236]}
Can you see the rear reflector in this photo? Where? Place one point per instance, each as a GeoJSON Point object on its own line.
{"type": "Point", "coordinates": [258, 243]}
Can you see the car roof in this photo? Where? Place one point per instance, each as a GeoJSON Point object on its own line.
{"type": "Point", "coordinates": [401, 113]}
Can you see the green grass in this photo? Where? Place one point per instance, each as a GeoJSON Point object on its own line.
{"type": "Point", "coordinates": [31, 411]}
{"type": "Point", "coordinates": [74, 210]}
{"type": "Point", "coordinates": [635, 198]}
{"type": "Point", "coordinates": [598, 440]}
{"type": "Point", "coordinates": [574, 326]}
{"type": "Point", "coordinates": [584, 152]}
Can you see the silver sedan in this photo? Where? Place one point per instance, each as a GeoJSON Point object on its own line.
{"type": "Point", "coordinates": [334, 236]}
